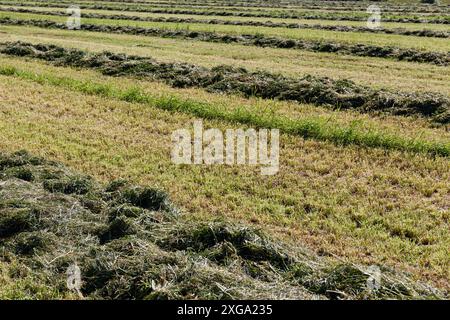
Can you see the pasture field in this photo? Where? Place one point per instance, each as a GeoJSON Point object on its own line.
{"type": "Point", "coordinates": [88, 179]}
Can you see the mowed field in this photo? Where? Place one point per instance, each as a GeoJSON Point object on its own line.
{"type": "Point", "coordinates": [363, 115]}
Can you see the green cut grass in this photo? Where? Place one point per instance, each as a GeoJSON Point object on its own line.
{"type": "Point", "coordinates": [405, 76]}
{"type": "Point", "coordinates": [409, 26]}
{"type": "Point", "coordinates": [421, 43]}
{"type": "Point", "coordinates": [307, 128]}
{"type": "Point", "coordinates": [266, 11]}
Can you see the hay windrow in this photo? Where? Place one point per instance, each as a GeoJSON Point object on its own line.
{"type": "Point", "coordinates": [324, 5]}
{"type": "Point", "coordinates": [364, 50]}
{"type": "Point", "coordinates": [338, 94]}
{"type": "Point", "coordinates": [132, 250]}
{"type": "Point", "coordinates": [239, 13]}
{"type": "Point", "coordinates": [270, 24]}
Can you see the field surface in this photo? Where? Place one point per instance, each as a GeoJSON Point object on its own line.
{"type": "Point", "coordinates": [364, 173]}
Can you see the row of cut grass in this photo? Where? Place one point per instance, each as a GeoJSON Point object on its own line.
{"type": "Point", "coordinates": [407, 127]}
{"type": "Point", "coordinates": [306, 128]}
{"type": "Point", "coordinates": [356, 16]}
{"type": "Point", "coordinates": [356, 12]}
{"type": "Point", "coordinates": [425, 44]}
{"type": "Point", "coordinates": [172, 19]}
{"type": "Point", "coordinates": [258, 8]}
{"type": "Point", "coordinates": [403, 76]}
{"type": "Point", "coordinates": [387, 25]}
